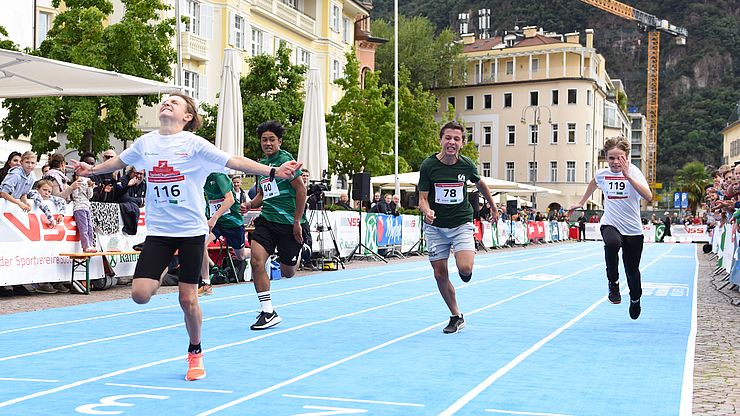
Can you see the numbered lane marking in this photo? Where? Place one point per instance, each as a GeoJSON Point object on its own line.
{"type": "Point", "coordinates": [112, 401]}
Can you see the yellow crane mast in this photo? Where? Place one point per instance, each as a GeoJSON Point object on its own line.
{"type": "Point", "coordinates": [653, 26]}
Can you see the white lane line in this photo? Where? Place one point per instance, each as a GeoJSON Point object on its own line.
{"type": "Point", "coordinates": [221, 299]}
{"type": "Point", "coordinates": [34, 380]}
{"type": "Point", "coordinates": [512, 412]}
{"type": "Point", "coordinates": [231, 315]}
{"type": "Point", "coordinates": [275, 333]}
{"type": "Point", "coordinates": [383, 345]}
{"type": "Point", "coordinates": [140, 386]}
{"type": "Point", "coordinates": [687, 389]}
{"type": "Point", "coordinates": [341, 399]}
{"type": "Point", "coordinates": [482, 386]}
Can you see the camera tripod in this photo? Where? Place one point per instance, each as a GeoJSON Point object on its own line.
{"type": "Point", "coordinates": [367, 251]}
{"type": "Point", "coordinates": [321, 261]}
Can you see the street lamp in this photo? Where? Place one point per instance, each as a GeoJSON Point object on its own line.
{"type": "Point", "coordinates": [536, 120]}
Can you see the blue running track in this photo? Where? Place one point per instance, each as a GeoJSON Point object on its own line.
{"type": "Point", "coordinates": [541, 339]}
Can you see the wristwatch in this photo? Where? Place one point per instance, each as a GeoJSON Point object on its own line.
{"type": "Point", "coordinates": [272, 174]}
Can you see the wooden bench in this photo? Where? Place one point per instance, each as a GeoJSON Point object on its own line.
{"type": "Point", "coordinates": [83, 260]}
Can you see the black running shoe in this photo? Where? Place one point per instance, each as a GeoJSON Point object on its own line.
{"type": "Point", "coordinates": [266, 320]}
{"type": "Point", "coordinates": [456, 324]}
{"type": "Point", "coordinates": [614, 296]}
{"type": "Point", "coordinates": [635, 309]}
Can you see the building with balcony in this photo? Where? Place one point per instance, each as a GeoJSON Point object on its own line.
{"type": "Point", "coordinates": [319, 34]}
{"type": "Point", "coordinates": [534, 104]}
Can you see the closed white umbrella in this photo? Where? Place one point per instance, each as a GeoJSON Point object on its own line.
{"type": "Point", "coordinates": [230, 122]}
{"type": "Point", "coordinates": [23, 75]}
{"type": "Point", "coordinates": [313, 150]}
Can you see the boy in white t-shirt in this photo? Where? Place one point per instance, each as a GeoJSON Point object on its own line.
{"type": "Point", "coordinates": [623, 184]}
{"type": "Point", "coordinates": [177, 163]}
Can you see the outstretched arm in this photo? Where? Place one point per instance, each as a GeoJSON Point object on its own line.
{"type": "Point", "coordinates": [589, 191]}
{"type": "Point", "coordinates": [286, 171]}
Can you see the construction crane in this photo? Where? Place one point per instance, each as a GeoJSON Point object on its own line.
{"type": "Point", "coordinates": [653, 26]}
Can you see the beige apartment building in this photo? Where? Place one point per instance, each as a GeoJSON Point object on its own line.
{"type": "Point", "coordinates": [731, 143]}
{"type": "Point", "coordinates": [319, 33]}
{"type": "Point", "coordinates": [534, 104]}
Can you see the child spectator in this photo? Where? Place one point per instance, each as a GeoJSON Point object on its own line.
{"type": "Point", "coordinates": [57, 165]}
{"type": "Point", "coordinates": [42, 193]}
{"type": "Point", "coordinates": [16, 185]}
{"type": "Point", "coordinates": [81, 195]}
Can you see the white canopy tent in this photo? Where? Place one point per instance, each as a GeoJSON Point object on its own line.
{"type": "Point", "coordinates": [24, 76]}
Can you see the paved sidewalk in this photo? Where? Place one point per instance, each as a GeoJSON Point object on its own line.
{"type": "Point", "coordinates": [717, 360]}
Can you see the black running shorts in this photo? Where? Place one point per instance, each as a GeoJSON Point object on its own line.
{"type": "Point", "coordinates": [158, 251]}
{"type": "Point", "coordinates": [272, 235]}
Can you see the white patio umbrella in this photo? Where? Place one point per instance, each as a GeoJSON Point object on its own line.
{"type": "Point", "coordinates": [230, 121]}
{"type": "Point", "coordinates": [313, 150]}
{"type": "Point", "coordinates": [23, 75]}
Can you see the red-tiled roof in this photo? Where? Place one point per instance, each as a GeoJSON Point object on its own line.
{"type": "Point", "coordinates": [482, 44]}
{"type": "Point", "coordinates": [537, 40]}
{"type": "Point", "coordinates": [488, 44]}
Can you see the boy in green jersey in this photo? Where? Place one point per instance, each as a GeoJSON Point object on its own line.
{"type": "Point", "coordinates": [224, 219]}
{"type": "Point", "coordinates": [448, 215]}
{"type": "Point", "coordinates": [278, 227]}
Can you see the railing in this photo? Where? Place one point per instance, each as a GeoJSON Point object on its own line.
{"type": "Point", "coordinates": [193, 47]}
{"type": "Point", "coordinates": [282, 11]}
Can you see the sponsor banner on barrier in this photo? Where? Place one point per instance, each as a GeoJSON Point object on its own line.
{"type": "Point", "coordinates": [680, 233]}
{"type": "Point", "coordinates": [488, 234]}
{"type": "Point", "coordinates": [389, 230]}
{"type": "Point", "coordinates": [369, 232]}
{"type": "Point", "coordinates": [535, 230]}
{"type": "Point", "coordinates": [504, 229]}
{"type": "Point", "coordinates": [346, 224]}
{"type": "Point", "coordinates": [30, 247]}
{"type": "Point", "coordinates": [693, 233]}
{"type": "Point", "coordinates": [411, 233]}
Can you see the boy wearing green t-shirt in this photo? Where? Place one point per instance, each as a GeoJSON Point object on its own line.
{"type": "Point", "coordinates": [278, 227]}
{"type": "Point", "coordinates": [224, 219]}
{"type": "Point", "coordinates": [448, 215]}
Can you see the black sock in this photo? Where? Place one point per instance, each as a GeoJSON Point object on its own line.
{"type": "Point", "coordinates": [194, 349]}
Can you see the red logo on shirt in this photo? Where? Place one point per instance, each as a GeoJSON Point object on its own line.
{"type": "Point", "coordinates": [164, 173]}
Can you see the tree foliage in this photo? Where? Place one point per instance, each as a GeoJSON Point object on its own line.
{"type": "Point", "coordinates": [692, 178]}
{"type": "Point", "coordinates": [138, 45]}
{"type": "Point", "coordinates": [360, 126]}
{"type": "Point", "coordinates": [432, 60]}
{"type": "Point", "coordinates": [271, 90]}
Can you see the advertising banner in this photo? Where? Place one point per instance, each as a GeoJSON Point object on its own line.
{"type": "Point", "coordinates": [389, 230]}
{"type": "Point", "coordinates": [346, 226]}
{"type": "Point", "coordinates": [489, 234]}
{"type": "Point", "coordinates": [30, 247]}
{"type": "Point", "coordinates": [411, 233]}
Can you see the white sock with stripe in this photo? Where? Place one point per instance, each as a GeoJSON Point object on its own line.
{"type": "Point", "coordinates": [265, 301]}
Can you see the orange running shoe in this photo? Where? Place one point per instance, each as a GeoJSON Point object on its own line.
{"type": "Point", "coordinates": [196, 371]}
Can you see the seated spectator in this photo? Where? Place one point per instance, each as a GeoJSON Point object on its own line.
{"type": "Point", "coordinates": [373, 203]}
{"type": "Point", "coordinates": [485, 211]}
{"type": "Point", "coordinates": [343, 202]}
{"type": "Point", "coordinates": [57, 166]}
{"type": "Point", "coordinates": [19, 181]}
{"type": "Point", "coordinates": [41, 193]}
{"type": "Point", "coordinates": [14, 159]}
{"type": "Point", "coordinates": [44, 170]}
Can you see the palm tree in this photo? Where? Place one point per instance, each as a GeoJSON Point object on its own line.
{"type": "Point", "coordinates": [692, 178]}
